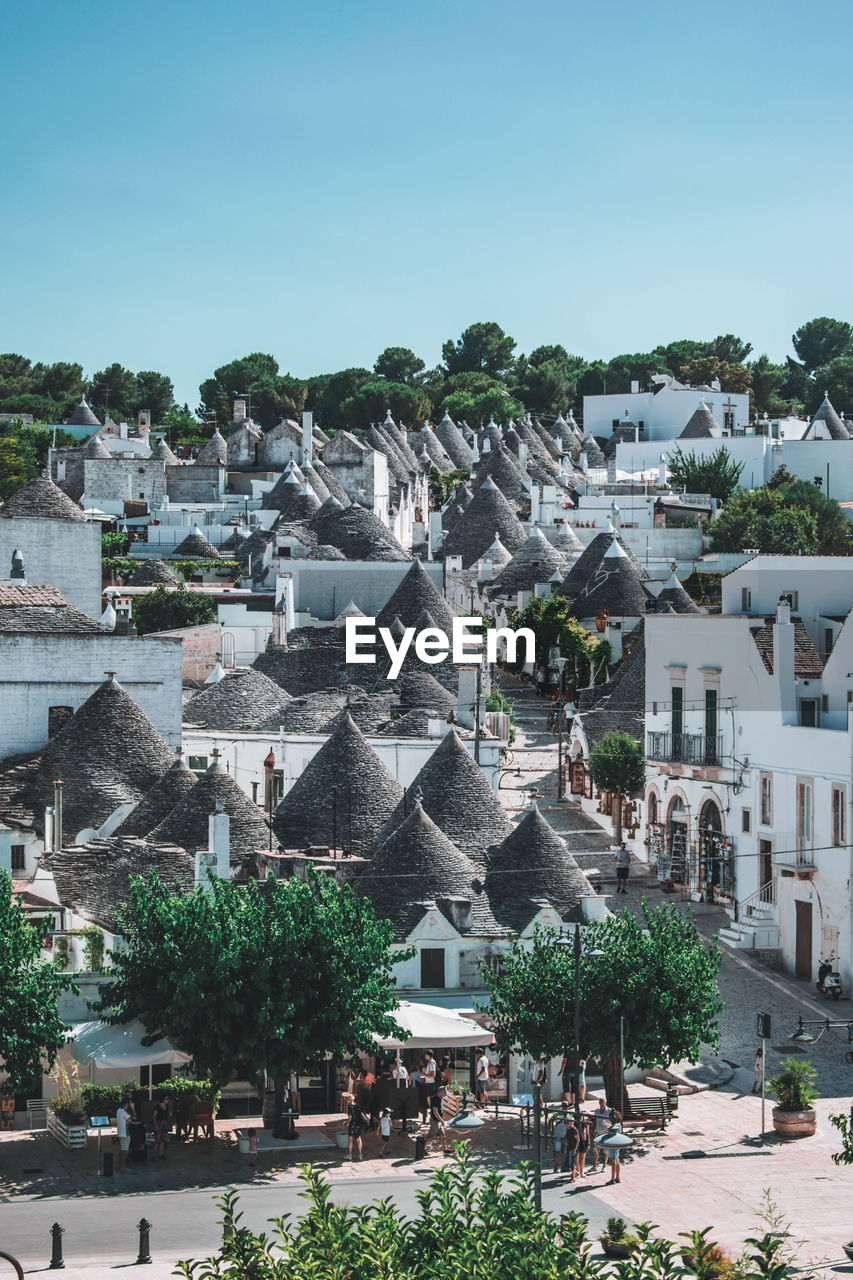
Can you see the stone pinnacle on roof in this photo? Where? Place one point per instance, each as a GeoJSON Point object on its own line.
{"type": "Point", "coordinates": [416, 863]}
{"type": "Point", "coordinates": [108, 753]}
{"type": "Point", "coordinates": [454, 443]}
{"type": "Point", "coordinates": [826, 414]}
{"type": "Point", "coordinates": [241, 702]}
{"type": "Point", "coordinates": [674, 597]}
{"type": "Point", "coordinates": [341, 798]}
{"type": "Point", "coordinates": [214, 452]}
{"type": "Point", "coordinates": [457, 796]}
{"type": "Point", "coordinates": [487, 514]}
{"type": "Point", "coordinates": [533, 864]}
{"type": "Point", "coordinates": [83, 416]}
{"type": "Point", "coordinates": [613, 586]}
{"type": "Point", "coordinates": [416, 592]}
{"type": "Point", "coordinates": [164, 453]}
{"type": "Point", "coordinates": [95, 448]}
{"type": "Point", "coordinates": [701, 425]}
{"type": "Point", "coordinates": [535, 561]}
{"type": "Point", "coordinates": [40, 499]}
{"type": "Point", "coordinates": [157, 803]}
{"type": "Point", "coordinates": [195, 546]}
{"type": "Point", "coordinates": [215, 792]}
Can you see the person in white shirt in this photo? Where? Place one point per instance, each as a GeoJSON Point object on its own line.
{"type": "Point", "coordinates": [399, 1072]}
{"type": "Point", "coordinates": [482, 1076]}
{"type": "Point", "coordinates": [385, 1130]}
{"type": "Point", "coordinates": [429, 1076]}
{"type": "Point", "coordinates": [122, 1121]}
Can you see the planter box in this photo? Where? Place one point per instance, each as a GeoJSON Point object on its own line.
{"type": "Point", "coordinates": [794, 1124]}
{"type": "Point", "coordinates": [72, 1136]}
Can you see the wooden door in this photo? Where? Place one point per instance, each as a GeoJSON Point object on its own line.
{"type": "Point", "coordinates": [804, 940]}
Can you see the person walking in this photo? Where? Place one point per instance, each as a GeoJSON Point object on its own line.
{"type": "Point", "coordinates": [615, 1162]}
{"type": "Point", "coordinates": [583, 1143]}
{"type": "Point", "coordinates": [385, 1130]}
{"type": "Point", "coordinates": [482, 1078]}
{"type": "Point", "coordinates": [355, 1128]}
{"type": "Point", "coordinates": [162, 1125]}
{"type": "Point", "coordinates": [567, 1078]}
{"type": "Point", "coordinates": [582, 1079]}
{"type": "Point", "coordinates": [252, 1135]}
{"type": "Point", "coordinates": [429, 1077]}
{"type": "Point", "coordinates": [758, 1071]}
{"type": "Point", "coordinates": [571, 1154]}
{"type": "Point", "coordinates": [123, 1115]}
{"type": "Point", "coordinates": [602, 1119]}
{"type": "Point", "coordinates": [559, 1128]}
{"type": "Point", "coordinates": [541, 683]}
{"type": "Point", "coordinates": [436, 1119]}
{"type": "Point", "coordinates": [623, 866]}
{"type": "Point", "coordinates": [539, 1073]}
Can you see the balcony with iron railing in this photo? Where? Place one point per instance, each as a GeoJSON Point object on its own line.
{"type": "Point", "coordinates": [685, 748]}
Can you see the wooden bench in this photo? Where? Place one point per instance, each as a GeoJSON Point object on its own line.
{"type": "Point", "coordinates": [658, 1110]}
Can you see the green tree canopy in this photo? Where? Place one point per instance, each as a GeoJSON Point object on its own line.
{"type": "Point", "coordinates": [549, 620]}
{"type": "Point", "coordinates": [768, 379]}
{"type": "Point", "coordinates": [327, 392]}
{"type": "Point", "coordinates": [399, 364]}
{"type": "Point", "coordinates": [618, 764]}
{"type": "Point", "coordinates": [274, 974]}
{"type": "Point", "coordinates": [23, 452]}
{"type": "Point", "coordinates": [819, 341]}
{"type": "Point", "coordinates": [656, 971]}
{"type": "Point", "coordinates": [476, 397]}
{"type": "Point", "coordinates": [273, 395]}
{"type": "Point", "coordinates": [31, 1030]}
{"type": "Point", "coordinates": [702, 370]}
{"type": "Point", "coordinates": [482, 348]}
{"type": "Point", "coordinates": [834, 379]}
{"type": "Point", "coordinates": [716, 473]}
{"type": "Point", "coordinates": [674, 355]}
{"type": "Point", "coordinates": [834, 531]}
{"type": "Point", "coordinates": [373, 399]}
{"type": "Point", "coordinates": [728, 348]}
{"type": "Point", "coordinates": [545, 381]}
{"type": "Point", "coordinates": [165, 609]}
{"type": "Point", "coordinates": [762, 519]}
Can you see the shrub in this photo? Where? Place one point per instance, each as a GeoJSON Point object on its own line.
{"type": "Point", "coordinates": [793, 1087]}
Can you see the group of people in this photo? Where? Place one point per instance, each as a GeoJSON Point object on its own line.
{"type": "Point", "coordinates": [571, 1141]}
{"type": "Point", "coordinates": [127, 1121]}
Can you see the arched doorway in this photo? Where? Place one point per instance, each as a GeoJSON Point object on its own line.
{"type": "Point", "coordinates": [675, 837]}
{"type": "Point", "coordinates": [654, 832]}
{"type": "Point", "coordinates": [715, 851]}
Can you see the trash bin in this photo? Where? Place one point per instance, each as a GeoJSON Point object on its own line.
{"type": "Point", "coordinates": [420, 1147]}
{"type": "Point", "coordinates": [107, 1164]}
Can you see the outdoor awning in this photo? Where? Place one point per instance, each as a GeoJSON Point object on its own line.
{"type": "Point", "coordinates": [119, 1047]}
{"type": "Point", "coordinates": [430, 1027]}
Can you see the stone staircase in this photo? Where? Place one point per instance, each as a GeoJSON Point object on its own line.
{"type": "Point", "coordinates": [756, 927]}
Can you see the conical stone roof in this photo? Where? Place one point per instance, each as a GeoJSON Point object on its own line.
{"type": "Point", "coordinates": [241, 702]}
{"type": "Point", "coordinates": [316, 481]}
{"type": "Point", "coordinates": [487, 513]}
{"type": "Point", "coordinates": [152, 573]}
{"type": "Point", "coordinates": [504, 469]}
{"type": "Point", "coordinates": [157, 803]}
{"type": "Point", "coordinates": [583, 568]}
{"type": "Point", "coordinates": [416, 864]}
{"type": "Point", "coordinates": [701, 425]}
{"type": "Point", "coordinates": [418, 688]}
{"type": "Point", "coordinates": [828, 416]}
{"type": "Point", "coordinates": [455, 793]}
{"type": "Point", "coordinates": [535, 561]}
{"type": "Point", "coordinates": [164, 453]}
{"type": "Point", "coordinates": [566, 541]}
{"type": "Point", "coordinates": [534, 863]}
{"type": "Point", "coordinates": [594, 456]}
{"type": "Point", "coordinates": [416, 592]}
{"type": "Point", "coordinates": [454, 443]}
{"type": "Point", "coordinates": [332, 483]}
{"type": "Point", "coordinates": [341, 798]}
{"type": "Point", "coordinates": [187, 824]}
{"type": "Point", "coordinates": [95, 448]}
{"type": "Point", "coordinates": [83, 417]}
{"type": "Point", "coordinates": [614, 586]}
{"type": "Point", "coordinates": [293, 499]}
{"type": "Point", "coordinates": [358, 533]}
{"type": "Point", "coordinates": [496, 555]}
{"type": "Point", "coordinates": [108, 753]}
{"type": "Point", "coordinates": [195, 546]}
{"type": "Point", "coordinates": [214, 452]}
{"type": "Point", "coordinates": [438, 455]}
{"type": "Point", "coordinates": [40, 499]}
{"type": "Point", "coordinates": [674, 597]}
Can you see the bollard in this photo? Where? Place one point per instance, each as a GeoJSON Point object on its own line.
{"type": "Point", "coordinates": [420, 1147]}
{"type": "Point", "coordinates": [56, 1231]}
{"type": "Point", "coordinates": [144, 1247]}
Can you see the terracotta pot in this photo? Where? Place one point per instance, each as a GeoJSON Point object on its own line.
{"type": "Point", "coordinates": [794, 1124]}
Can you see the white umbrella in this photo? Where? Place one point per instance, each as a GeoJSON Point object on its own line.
{"type": "Point", "coordinates": [121, 1047]}
{"type": "Point", "coordinates": [431, 1027]}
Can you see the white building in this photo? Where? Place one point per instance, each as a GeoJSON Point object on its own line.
{"type": "Point", "coordinates": [663, 412]}
{"type": "Point", "coordinates": [749, 752]}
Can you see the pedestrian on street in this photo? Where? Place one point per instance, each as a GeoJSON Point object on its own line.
{"type": "Point", "coordinates": [385, 1129]}
{"type": "Point", "coordinates": [436, 1119]}
{"type": "Point", "coordinates": [252, 1135]}
{"type": "Point", "coordinates": [123, 1116]}
{"type": "Point", "coordinates": [355, 1128]}
{"type": "Point", "coordinates": [482, 1076]}
{"type": "Point", "coordinates": [541, 683]}
{"type": "Point", "coordinates": [603, 1119]}
{"type": "Point", "coordinates": [162, 1125]}
{"type": "Point", "coordinates": [559, 1129]}
{"type": "Point", "coordinates": [623, 866]}
{"type": "Point", "coordinates": [758, 1071]}
{"type": "Point", "coordinates": [582, 1079]}
{"type": "Point", "coordinates": [567, 1080]}
{"type": "Point", "coordinates": [583, 1143]}
{"type": "Point", "coordinates": [429, 1076]}
{"type": "Point", "coordinates": [539, 1072]}
{"type": "Point", "coordinates": [571, 1153]}
{"type": "Point", "coordinates": [615, 1162]}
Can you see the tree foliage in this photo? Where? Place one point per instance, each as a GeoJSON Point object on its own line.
{"type": "Point", "coordinates": [168, 609]}
{"type": "Point", "coordinates": [374, 399]}
{"type": "Point", "coordinates": [764, 520]}
{"type": "Point", "coordinates": [31, 1030]}
{"type": "Point", "coordinates": [476, 397]}
{"type": "Point", "coordinates": [549, 620]}
{"type": "Point", "coordinates": [120, 394]}
{"type": "Point", "coordinates": [656, 971]}
{"type": "Point", "coordinates": [704, 369]}
{"type": "Point", "coordinates": [768, 381]}
{"type": "Point", "coordinates": [716, 473]}
{"type": "Point", "coordinates": [482, 348]}
{"type": "Point", "coordinates": [23, 452]}
{"type": "Point", "coordinates": [273, 395]}
{"type": "Point", "coordinates": [618, 763]}
{"type": "Point", "coordinates": [274, 974]}
{"type": "Point", "coordinates": [399, 364]}
{"type": "Point", "coordinates": [820, 341]}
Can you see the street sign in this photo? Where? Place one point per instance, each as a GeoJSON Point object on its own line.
{"type": "Point", "coordinates": [762, 1029]}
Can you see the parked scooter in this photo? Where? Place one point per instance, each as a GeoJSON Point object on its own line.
{"type": "Point", "coordinates": [828, 979]}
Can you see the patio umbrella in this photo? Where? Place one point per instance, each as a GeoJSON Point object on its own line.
{"type": "Point", "coordinates": [431, 1027]}
{"type": "Point", "coordinates": [121, 1047]}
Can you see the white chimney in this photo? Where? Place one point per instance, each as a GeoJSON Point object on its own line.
{"type": "Point", "coordinates": [239, 410]}
{"type": "Point", "coordinates": [466, 697]}
{"type": "Point", "coordinates": [307, 437]}
{"type": "Point", "coordinates": [534, 505]}
{"type": "Point", "coordinates": [635, 387]}
{"type": "Point", "coordinates": [522, 454]}
{"type": "Point", "coordinates": [783, 661]}
{"type": "Point", "coordinates": [662, 469]}
{"type": "Point", "coordinates": [122, 430]}
{"type": "Point", "coordinates": [219, 840]}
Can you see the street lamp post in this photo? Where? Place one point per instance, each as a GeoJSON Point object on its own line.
{"type": "Point", "coordinates": [592, 953]}
{"type": "Point", "coordinates": [561, 720]}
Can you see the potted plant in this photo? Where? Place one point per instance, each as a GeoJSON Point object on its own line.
{"type": "Point", "coordinates": [615, 1241]}
{"type": "Point", "coordinates": [793, 1088]}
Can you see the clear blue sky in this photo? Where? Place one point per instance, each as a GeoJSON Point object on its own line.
{"type": "Point", "coordinates": [185, 182]}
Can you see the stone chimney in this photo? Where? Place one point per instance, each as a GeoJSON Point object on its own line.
{"type": "Point", "coordinates": [19, 577]}
{"type": "Point", "coordinates": [535, 508]}
{"type": "Point", "coordinates": [57, 814]}
{"type": "Point", "coordinates": [239, 411]}
{"type": "Point", "coordinates": [459, 911]}
{"type": "Point", "coordinates": [278, 637]}
{"type": "Point", "coordinates": [307, 437]}
{"type": "Point", "coordinates": [662, 469]}
{"type": "Point", "coordinates": [783, 661]}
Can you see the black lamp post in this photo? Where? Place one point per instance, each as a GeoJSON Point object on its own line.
{"type": "Point", "coordinates": [592, 953]}
{"type": "Point", "coordinates": [561, 721]}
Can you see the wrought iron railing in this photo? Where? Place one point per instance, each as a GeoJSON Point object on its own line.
{"type": "Point", "coordinates": [685, 748]}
